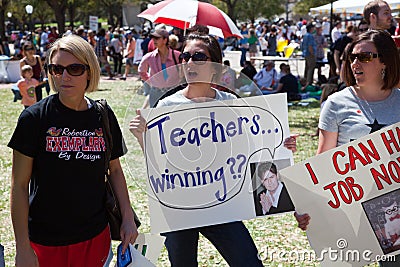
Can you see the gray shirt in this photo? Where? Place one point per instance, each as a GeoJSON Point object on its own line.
{"type": "Point", "coordinates": [352, 117]}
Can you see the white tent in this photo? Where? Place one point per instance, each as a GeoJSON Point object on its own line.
{"type": "Point", "coordinates": [349, 7]}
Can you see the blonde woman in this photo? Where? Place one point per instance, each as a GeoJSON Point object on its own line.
{"type": "Point", "coordinates": [59, 155]}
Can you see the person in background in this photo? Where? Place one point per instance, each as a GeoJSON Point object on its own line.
{"type": "Point", "coordinates": [60, 220]}
{"type": "Point", "coordinates": [158, 61]}
{"type": "Point", "coordinates": [378, 15]}
{"type": "Point", "coordinates": [309, 49]}
{"type": "Point", "coordinates": [371, 72]}
{"type": "Point", "coordinates": [243, 43]}
{"type": "Point", "coordinates": [30, 58]}
{"type": "Point", "coordinates": [321, 45]}
{"type": "Point", "coordinates": [116, 46]}
{"type": "Point", "coordinates": [101, 52]}
{"type": "Point", "coordinates": [336, 31]}
{"type": "Point", "coordinates": [339, 47]}
{"type": "Point", "coordinates": [27, 85]}
{"type": "Point", "coordinates": [272, 41]}
{"type": "Point", "coordinates": [288, 84]}
{"type": "Point", "coordinates": [267, 78]}
{"type": "Point", "coordinates": [252, 40]}
{"type": "Point", "coordinates": [130, 53]}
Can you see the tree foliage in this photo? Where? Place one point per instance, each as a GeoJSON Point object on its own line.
{"type": "Point", "coordinates": [303, 6]}
{"type": "Point", "coordinates": [253, 9]}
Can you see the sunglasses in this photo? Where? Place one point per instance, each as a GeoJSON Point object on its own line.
{"type": "Point", "coordinates": [29, 49]}
{"type": "Point", "coordinates": [363, 57]}
{"type": "Point", "coordinates": [73, 69]}
{"type": "Point", "coordinates": [197, 57]}
{"type": "Point", "coordinates": [363, 29]}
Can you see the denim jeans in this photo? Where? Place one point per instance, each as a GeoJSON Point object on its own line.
{"type": "Point", "coordinates": [232, 240]}
{"type": "Point", "coordinates": [243, 56]}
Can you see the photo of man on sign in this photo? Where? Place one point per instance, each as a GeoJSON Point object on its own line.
{"type": "Point", "coordinates": [271, 197]}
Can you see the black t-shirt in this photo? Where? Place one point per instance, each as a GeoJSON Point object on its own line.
{"type": "Point", "coordinates": [290, 85]}
{"type": "Point", "coordinates": [67, 189]}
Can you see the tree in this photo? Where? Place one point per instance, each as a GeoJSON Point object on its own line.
{"type": "Point", "coordinates": [3, 7]}
{"type": "Point", "coordinates": [231, 8]}
{"type": "Point", "coordinates": [253, 9]}
{"type": "Point", "coordinates": [59, 7]}
{"type": "Point", "coordinates": [114, 9]}
{"type": "Point", "coordinates": [303, 7]}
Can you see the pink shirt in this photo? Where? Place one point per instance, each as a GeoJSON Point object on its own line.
{"type": "Point", "coordinates": [152, 61]}
{"type": "Point", "coordinates": [27, 90]}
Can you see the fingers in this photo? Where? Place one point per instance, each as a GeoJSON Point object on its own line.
{"type": "Point", "coordinates": [303, 220]}
{"type": "Point", "coordinates": [291, 143]}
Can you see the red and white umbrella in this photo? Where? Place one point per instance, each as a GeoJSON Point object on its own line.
{"type": "Point", "coordinates": [186, 13]}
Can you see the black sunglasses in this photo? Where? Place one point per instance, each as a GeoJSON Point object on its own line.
{"type": "Point", "coordinates": [73, 69]}
{"type": "Point", "coordinates": [29, 49]}
{"type": "Point", "coordinates": [197, 57]}
{"type": "Point", "coordinates": [363, 29]}
{"type": "Point", "coordinates": [363, 57]}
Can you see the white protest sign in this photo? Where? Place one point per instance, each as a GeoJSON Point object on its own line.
{"type": "Point", "coordinates": [198, 155]}
{"type": "Point", "coordinates": [93, 23]}
{"type": "Point", "coordinates": [149, 246]}
{"type": "Point", "coordinates": [352, 195]}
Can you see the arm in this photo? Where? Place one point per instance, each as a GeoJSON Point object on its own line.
{"type": "Point", "coordinates": [327, 140]}
{"type": "Point", "coordinates": [129, 231]}
{"type": "Point", "coordinates": [21, 173]}
{"type": "Point", "coordinates": [336, 57]}
{"type": "Point", "coordinates": [143, 69]}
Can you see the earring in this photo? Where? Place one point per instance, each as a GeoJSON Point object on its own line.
{"type": "Point", "coordinates": [383, 73]}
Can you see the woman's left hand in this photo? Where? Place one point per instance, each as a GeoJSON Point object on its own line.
{"type": "Point", "coordinates": [129, 233]}
{"type": "Point", "coordinates": [290, 142]}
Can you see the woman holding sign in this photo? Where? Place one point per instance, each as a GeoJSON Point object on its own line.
{"type": "Point", "coordinates": [371, 72]}
{"type": "Point", "coordinates": [232, 240]}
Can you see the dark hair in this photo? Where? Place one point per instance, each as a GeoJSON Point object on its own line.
{"type": "Point", "coordinates": [388, 55]}
{"type": "Point", "coordinates": [264, 167]}
{"type": "Point", "coordinates": [372, 7]}
{"type": "Point", "coordinates": [210, 43]}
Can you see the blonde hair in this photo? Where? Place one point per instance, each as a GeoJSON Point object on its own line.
{"type": "Point", "coordinates": [25, 69]}
{"type": "Point", "coordinates": [83, 51]}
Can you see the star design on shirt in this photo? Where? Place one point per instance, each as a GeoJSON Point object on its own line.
{"type": "Point", "coordinates": [375, 126]}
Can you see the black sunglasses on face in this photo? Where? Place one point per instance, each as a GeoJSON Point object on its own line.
{"type": "Point", "coordinates": [363, 57]}
{"type": "Point", "coordinates": [197, 57]}
{"type": "Point", "coordinates": [29, 49]}
{"type": "Point", "coordinates": [363, 29]}
{"type": "Point", "coordinates": [72, 69]}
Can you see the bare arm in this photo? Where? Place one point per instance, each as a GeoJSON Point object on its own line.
{"type": "Point", "coordinates": [129, 231]}
{"type": "Point", "coordinates": [21, 173]}
{"type": "Point", "coordinates": [327, 140]}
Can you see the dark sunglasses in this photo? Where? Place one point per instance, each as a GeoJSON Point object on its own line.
{"type": "Point", "coordinates": [73, 69]}
{"type": "Point", "coordinates": [197, 57]}
{"type": "Point", "coordinates": [363, 57]}
{"type": "Point", "coordinates": [363, 30]}
{"type": "Point", "coordinates": [29, 49]}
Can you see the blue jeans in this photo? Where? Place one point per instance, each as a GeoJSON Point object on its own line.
{"type": "Point", "coordinates": [243, 56]}
{"type": "Point", "coordinates": [232, 240]}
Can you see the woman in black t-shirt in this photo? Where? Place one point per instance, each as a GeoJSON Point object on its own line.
{"type": "Point", "coordinates": [59, 154]}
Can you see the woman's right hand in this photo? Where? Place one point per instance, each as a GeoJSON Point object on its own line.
{"type": "Point", "coordinates": [137, 125]}
{"type": "Point", "coordinates": [303, 220]}
{"type": "Point", "coordinates": [26, 258]}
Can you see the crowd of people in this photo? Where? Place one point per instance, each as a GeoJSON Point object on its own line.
{"type": "Point", "coordinates": [365, 58]}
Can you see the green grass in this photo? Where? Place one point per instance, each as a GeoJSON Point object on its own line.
{"type": "Point", "coordinates": [278, 233]}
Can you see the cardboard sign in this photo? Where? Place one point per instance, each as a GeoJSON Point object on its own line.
{"type": "Point", "coordinates": [352, 195]}
{"type": "Point", "coordinates": [198, 158]}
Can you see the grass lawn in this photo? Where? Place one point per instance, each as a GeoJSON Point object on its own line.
{"type": "Point", "coordinates": [278, 233]}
